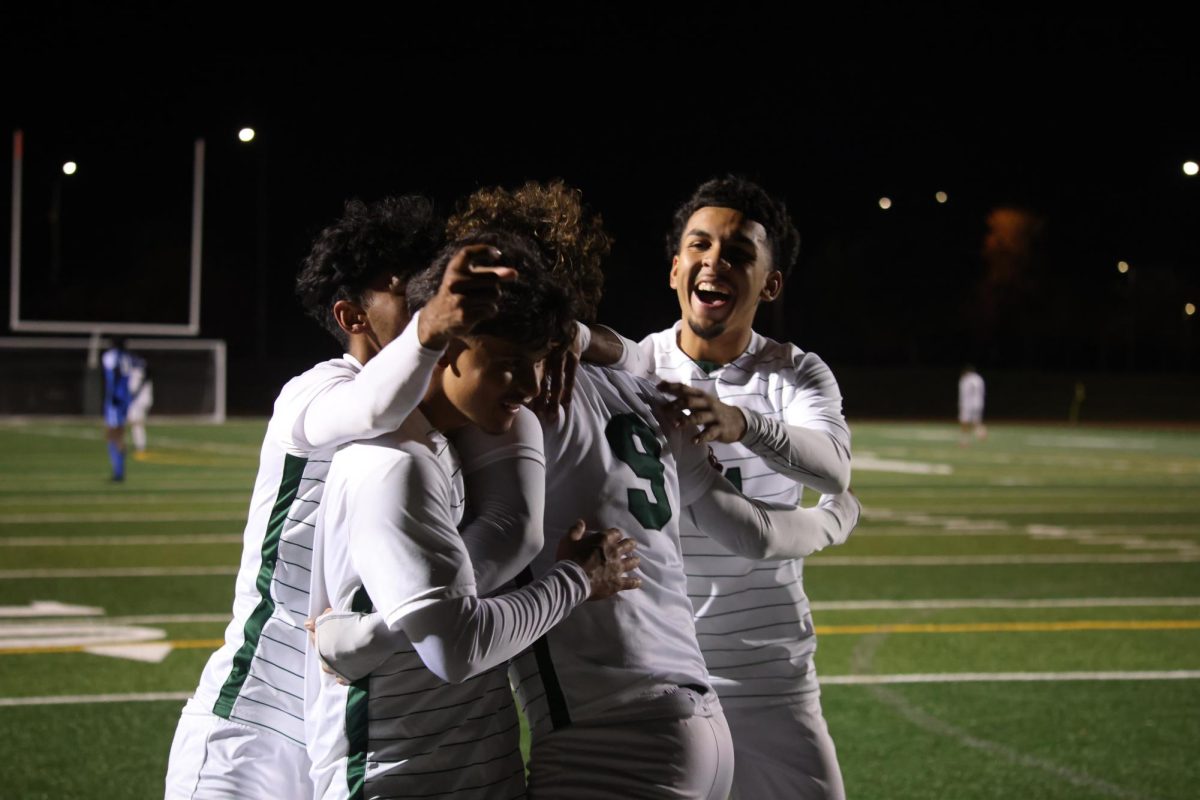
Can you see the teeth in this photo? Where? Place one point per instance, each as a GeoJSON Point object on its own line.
{"type": "Point", "coordinates": [709, 286]}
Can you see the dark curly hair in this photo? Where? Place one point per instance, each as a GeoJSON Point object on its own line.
{"type": "Point", "coordinates": [569, 234]}
{"type": "Point", "coordinates": [740, 194]}
{"type": "Point", "coordinates": [394, 236]}
{"type": "Point", "coordinates": [533, 310]}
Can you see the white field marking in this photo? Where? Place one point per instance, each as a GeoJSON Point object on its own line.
{"type": "Point", "coordinates": [1009, 677]}
{"type": "Point", "coordinates": [84, 699]}
{"type": "Point", "coordinates": [869, 463]}
{"type": "Point", "coordinates": [151, 619]}
{"type": "Point", "coordinates": [165, 442]}
{"type": "Point", "coordinates": [48, 608]}
{"type": "Point", "coordinates": [22, 487]}
{"type": "Point", "coordinates": [19, 636]}
{"type": "Point", "coordinates": [129, 500]}
{"type": "Point", "coordinates": [962, 526]}
{"type": "Point", "coordinates": [1090, 442]}
{"type": "Point", "coordinates": [148, 653]}
{"type": "Point", "coordinates": [923, 435]}
{"type": "Point", "coordinates": [998, 560]}
{"type": "Point", "coordinates": [1053, 602]}
{"type": "Point", "coordinates": [50, 518]}
{"type": "Point", "coordinates": [107, 541]}
{"type": "Point", "coordinates": [117, 572]}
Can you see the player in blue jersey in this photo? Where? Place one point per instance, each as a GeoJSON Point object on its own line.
{"type": "Point", "coordinates": [118, 365]}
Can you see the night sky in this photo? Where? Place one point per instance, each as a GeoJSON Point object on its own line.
{"type": "Point", "coordinates": [1059, 142]}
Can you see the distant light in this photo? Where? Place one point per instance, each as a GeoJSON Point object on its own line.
{"type": "Point", "coordinates": [885, 203]}
{"type": "Point", "coordinates": [1190, 168]}
{"type": "Point", "coordinates": [1122, 267]}
{"type": "Point", "coordinates": [69, 168]}
{"type": "Point", "coordinates": [1189, 309]}
{"type": "Point", "coordinates": [246, 134]}
{"type": "Point", "coordinates": [941, 197]}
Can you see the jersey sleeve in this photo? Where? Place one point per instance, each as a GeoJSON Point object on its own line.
{"type": "Point", "coordinates": [811, 444]}
{"type": "Point", "coordinates": [505, 479]}
{"type": "Point", "coordinates": [760, 530]}
{"type": "Point", "coordinates": [402, 538]}
{"type": "Point", "coordinates": [375, 401]}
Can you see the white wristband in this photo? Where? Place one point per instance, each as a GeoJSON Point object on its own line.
{"type": "Point", "coordinates": [583, 337]}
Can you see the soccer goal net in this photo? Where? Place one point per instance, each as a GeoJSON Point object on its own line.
{"type": "Point", "coordinates": [62, 376]}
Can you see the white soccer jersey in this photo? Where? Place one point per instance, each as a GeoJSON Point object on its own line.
{"type": "Point", "coordinates": [257, 677]}
{"type": "Point", "coordinates": [610, 463]}
{"type": "Point", "coordinates": [402, 731]}
{"type": "Point", "coordinates": [970, 397]}
{"type": "Point", "coordinates": [752, 617]}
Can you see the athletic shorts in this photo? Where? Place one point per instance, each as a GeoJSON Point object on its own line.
{"type": "Point", "coordinates": [784, 752]}
{"type": "Point", "coordinates": [114, 416]}
{"type": "Point", "coordinates": [216, 759]}
{"type": "Point", "coordinates": [970, 415]}
{"type": "Point", "coordinates": [681, 757]}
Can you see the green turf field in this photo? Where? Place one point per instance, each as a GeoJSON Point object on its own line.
{"type": "Point", "coordinates": [1017, 618]}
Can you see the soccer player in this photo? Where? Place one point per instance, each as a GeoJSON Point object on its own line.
{"type": "Point", "coordinates": [242, 733]}
{"type": "Point", "coordinates": [970, 405]}
{"type": "Point", "coordinates": [774, 415]}
{"type": "Point", "coordinates": [386, 537]}
{"type": "Point", "coordinates": [117, 363]}
{"type": "Point", "coordinates": [141, 391]}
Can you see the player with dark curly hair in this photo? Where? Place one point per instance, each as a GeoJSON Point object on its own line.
{"type": "Point", "coordinates": [242, 733]}
{"type": "Point", "coordinates": [388, 537]}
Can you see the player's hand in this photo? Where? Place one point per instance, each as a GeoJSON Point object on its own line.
{"type": "Point", "coordinates": [466, 297]}
{"type": "Point", "coordinates": [310, 625]}
{"type": "Point", "coordinates": [717, 421]}
{"type": "Point", "coordinates": [606, 556]}
{"type": "Point", "coordinates": [558, 383]}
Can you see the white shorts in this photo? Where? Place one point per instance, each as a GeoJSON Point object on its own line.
{"type": "Point", "coordinates": [215, 759]}
{"type": "Point", "coordinates": [673, 758]}
{"type": "Point", "coordinates": [970, 415]}
{"type": "Point", "coordinates": [784, 752]}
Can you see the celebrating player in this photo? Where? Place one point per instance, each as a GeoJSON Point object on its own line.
{"type": "Point", "coordinates": [242, 733]}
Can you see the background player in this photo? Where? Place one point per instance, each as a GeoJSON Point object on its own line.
{"type": "Point", "coordinates": [970, 405]}
{"type": "Point", "coordinates": [117, 364]}
{"type": "Point", "coordinates": [387, 536]}
{"type": "Point", "coordinates": [141, 391]}
{"type": "Point", "coordinates": [242, 733]}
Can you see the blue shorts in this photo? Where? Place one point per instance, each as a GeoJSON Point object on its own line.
{"type": "Point", "coordinates": [114, 416]}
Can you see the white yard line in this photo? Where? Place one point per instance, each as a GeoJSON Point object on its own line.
{"type": "Point", "coordinates": [1010, 677]}
{"type": "Point", "coordinates": [107, 541]}
{"type": "Point", "coordinates": [131, 516]}
{"type": "Point", "coordinates": [830, 680]}
{"type": "Point", "coordinates": [74, 699]}
{"type": "Point", "coordinates": [116, 572]}
{"type": "Point", "coordinates": [998, 560]}
{"type": "Point", "coordinates": [181, 498]}
{"type": "Point", "coordinates": [1054, 602]}
{"type": "Point", "coordinates": [155, 441]}
{"type": "Point", "coordinates": [870, 463]}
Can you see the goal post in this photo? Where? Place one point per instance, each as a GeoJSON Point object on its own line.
{"type": "Point", "coordinates": [61, 377]}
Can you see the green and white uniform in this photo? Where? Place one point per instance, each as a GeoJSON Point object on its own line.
{"type": "Point", "coordinates": [252, 688]}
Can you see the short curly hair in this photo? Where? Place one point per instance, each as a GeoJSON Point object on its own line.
{"type": "Point", "coordinates": [394, 236]}
{"type": "Point", "coordinates": [534, 310]}
{"type": "Point", "coordinates": [571, 236]}
{"type": "Point", "coordinates": [740, 194]}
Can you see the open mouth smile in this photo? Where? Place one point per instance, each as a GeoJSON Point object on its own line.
{"type": "Point", "coordinates": [712, 295]}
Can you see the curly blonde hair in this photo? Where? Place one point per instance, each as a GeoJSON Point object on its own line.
{"type": "Point", "coordinates": [570, 235]}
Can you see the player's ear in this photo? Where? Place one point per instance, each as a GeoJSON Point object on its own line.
{"type": "Point", "coordinates": [675, 272]}
{"type": "Point", "coordinates": [350, 316]}
{"type": "Point", "coordinates": [772, 287]}
{"type": "Point", "coordinates": [449, 358]}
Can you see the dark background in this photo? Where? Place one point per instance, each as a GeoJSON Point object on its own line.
{"type": "Point", "coordinates": [1059, 141]}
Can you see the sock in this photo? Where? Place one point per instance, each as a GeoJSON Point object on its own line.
{"type": "Point", "coordinates": [117, 459]}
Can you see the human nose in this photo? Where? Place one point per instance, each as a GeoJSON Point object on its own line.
{"type": "Point", "coordinates": [528, 379]}
{"type": "Point", "coordinates": [713, 258]}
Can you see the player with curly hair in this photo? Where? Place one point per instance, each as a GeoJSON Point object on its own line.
{"type": "Point", "coordinates": [242, 733]}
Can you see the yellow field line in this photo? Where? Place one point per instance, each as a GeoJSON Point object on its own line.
{"type": "Point", "coordinates": [823, 630]}
{"type": "Point", "coordinates": [1014, 627]}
